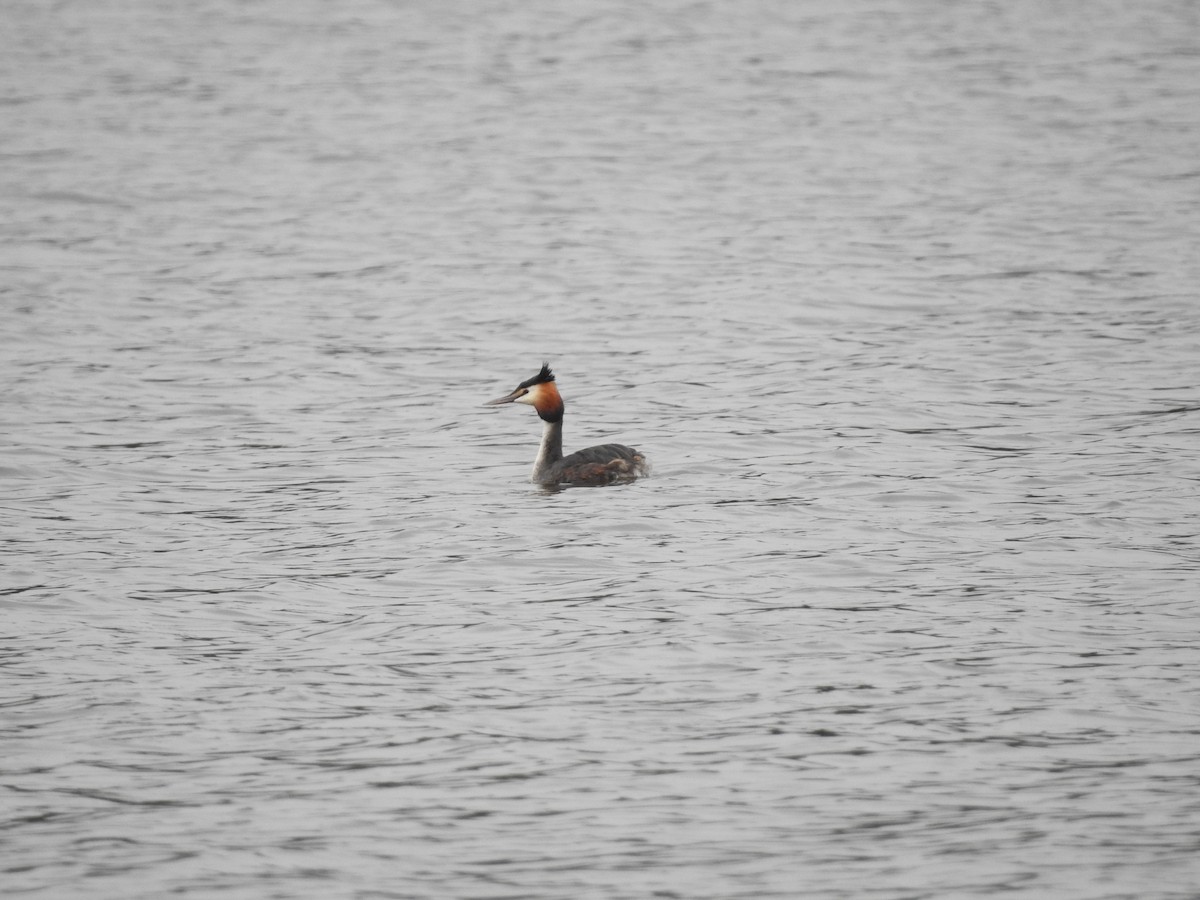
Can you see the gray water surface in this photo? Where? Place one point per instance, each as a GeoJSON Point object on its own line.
{"type": "Point", "coordinates": [900, 299]}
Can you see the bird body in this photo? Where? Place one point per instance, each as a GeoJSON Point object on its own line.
{"type": "Point", "coordinates": [593, 467]}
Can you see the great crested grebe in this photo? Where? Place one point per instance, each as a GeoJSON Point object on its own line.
{"type": "Point", "coordinates": [603, 464]}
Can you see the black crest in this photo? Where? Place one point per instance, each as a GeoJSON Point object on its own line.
{"type": "Point", "coordinates": [540, 378]}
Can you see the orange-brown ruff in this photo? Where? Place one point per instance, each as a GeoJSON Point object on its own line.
{"type": "Point", "coordinates": [595, 466]}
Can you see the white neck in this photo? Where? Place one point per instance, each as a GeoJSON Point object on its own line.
{"type": "Point", "coordinates": [550, 452]}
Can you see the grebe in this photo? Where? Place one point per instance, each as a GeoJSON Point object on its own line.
{"type": "Point", "coordinates": [603, 464]}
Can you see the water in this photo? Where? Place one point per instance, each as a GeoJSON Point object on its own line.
{"type": "Point", "coordinates": [898, 297]}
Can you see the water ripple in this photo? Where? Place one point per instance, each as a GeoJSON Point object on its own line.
{"type": "Point", "coordinates": [901, 310]}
